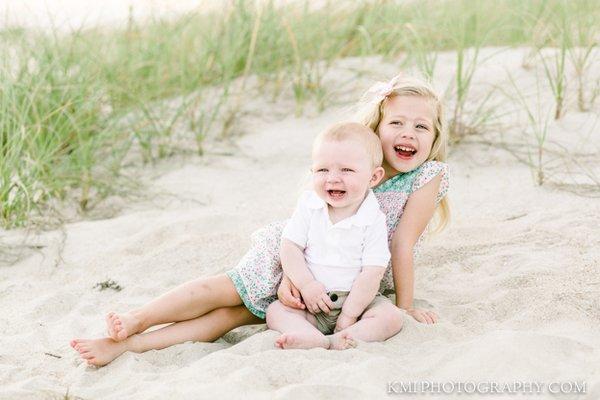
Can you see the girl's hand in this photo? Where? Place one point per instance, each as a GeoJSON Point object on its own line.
{"type": "Point", "coordinates": [343, 322]}
{"type": "Point", "coordinates": [289, 295]}
{"type": "Point", "coordinates": [423, 316]}
{"type": "Point", "coordinates": [316, 298]}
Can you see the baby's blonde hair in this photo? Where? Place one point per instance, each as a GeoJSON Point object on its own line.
{"type": "Point", "coordinates": [353, 131]}
{"type": "Point", "coordinates": [409, 86]}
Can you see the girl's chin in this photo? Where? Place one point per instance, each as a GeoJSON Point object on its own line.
{"type": "Point", "coordinates": [404, 165]}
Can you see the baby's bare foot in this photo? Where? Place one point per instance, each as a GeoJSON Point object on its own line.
{"type": "Point", "coordinates": [341, 341]}
{"type": "Point", "coordinates": [301, 340]}
{"type": "Point", "coordinates": [121, 326]}
{"type": "Point", "coordinates": [98, 352]}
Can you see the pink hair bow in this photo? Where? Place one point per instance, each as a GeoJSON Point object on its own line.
{"type": "Point", "coordinates": [379, 91]}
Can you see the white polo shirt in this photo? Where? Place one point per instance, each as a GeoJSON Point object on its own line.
{"type": "Point", "coordinates": [335, 254]}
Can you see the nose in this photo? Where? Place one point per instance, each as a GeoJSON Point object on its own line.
{"type": "Point", "coordinates": [407, 133]}
{"type": "Point", "coordinates": [333, 176]}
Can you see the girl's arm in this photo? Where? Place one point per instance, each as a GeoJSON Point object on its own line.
{"type": "Point", "coordinates": [288, 294]}
{"type": "Point", "coordinates": [418, 212]}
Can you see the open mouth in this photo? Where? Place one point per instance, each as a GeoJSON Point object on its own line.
{"type": "Point", "coordinates": [336, 194]}
{"type": "Point", "coordinates": [405, 152]}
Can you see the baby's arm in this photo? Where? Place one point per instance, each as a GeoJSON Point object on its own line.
{"type": "Point", "coordinates": [293, 242]}
{"type": "Point", "coordinates": [363, 292]}
{"type": "Point", "coordinates": [418, 212]}
{"type": "Point", "coordinates": [294, 263]}
{"type": "Point", "coordinates": [375, 258]}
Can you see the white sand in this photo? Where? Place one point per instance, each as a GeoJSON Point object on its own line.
{"type": "Point", "coordinates": [515, 278]}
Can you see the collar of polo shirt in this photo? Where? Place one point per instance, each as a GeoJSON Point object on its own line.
{"type": "Point", "coordinates": [365, 216]}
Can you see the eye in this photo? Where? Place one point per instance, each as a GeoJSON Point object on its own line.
{"type": "Point", "coordinates": [421, 126]}
{"type": "Point", "coordinates": [322, 170]}
{"type": "Point", "coordinates": [347, 170]}
{"type": "Point", "coordinates": [399, 123]}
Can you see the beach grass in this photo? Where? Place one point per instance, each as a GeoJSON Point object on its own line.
{"type": "Point", "coordinates": [67, 99]}
{"type": "Point", "coordinates": [536, 131]}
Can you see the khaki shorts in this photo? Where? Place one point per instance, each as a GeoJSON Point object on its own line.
{"type": "Point", "coordinates": [326, 322]}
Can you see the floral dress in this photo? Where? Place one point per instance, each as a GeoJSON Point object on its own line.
{"type": "Point", "coordinates": [257, 275]}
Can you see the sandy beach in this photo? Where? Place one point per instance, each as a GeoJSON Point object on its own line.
{"type": "Point", "coordinates": [515, 278]}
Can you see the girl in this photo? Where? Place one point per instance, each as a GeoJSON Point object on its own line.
{"type": "Point", "coordinates": [407, 115]}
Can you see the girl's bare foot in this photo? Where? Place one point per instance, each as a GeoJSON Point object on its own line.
{"type": "Point", "coordinates": [341, 341]}
{"type": "Point", "coordinates": [98, 352]}
{"type": "Point", "coordinates": [302, 340]}
{"type": "Point", "coordinates": [121, 326]}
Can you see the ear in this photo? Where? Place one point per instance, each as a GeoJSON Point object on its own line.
{"type": "Point", "coordinates": [376, 176]}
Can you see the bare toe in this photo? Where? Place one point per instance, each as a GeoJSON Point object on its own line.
{"type": "Point", "coordinates": [279, 342]}
{"type": "Point", "coordinates": [302, 340]}
{"type": "Point", "coordinates": [121, 326]}
{"type": "Point", "coordinates": [99, 352]}
{"type": "Point", "coordinates": [109, 323]}
{"type": "Point", "coordinates": [342, 341]}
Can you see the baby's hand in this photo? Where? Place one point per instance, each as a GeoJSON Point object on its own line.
{"type": "Point", "coordinates": [343, 322]}
{"type": "Point", "coordinates": [316, 298]}
{"type": "Point", "coordinates": [423, 316]}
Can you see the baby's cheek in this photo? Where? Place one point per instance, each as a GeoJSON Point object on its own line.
{"type": "Point", "coordinates": [317, 182]}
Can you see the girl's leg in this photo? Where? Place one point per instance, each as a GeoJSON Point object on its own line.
{"type": "Point", "coordinates": [297, 327]}
{"type": "Point", "coordinates": [377, 324]}
{"type": "Point", "coordinates": [185, 302]}
{"type": "Point", "coordinates": [205, 328]}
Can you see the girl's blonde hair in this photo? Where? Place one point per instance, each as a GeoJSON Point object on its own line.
{"type": "Point", "coordinates": [409, 86]}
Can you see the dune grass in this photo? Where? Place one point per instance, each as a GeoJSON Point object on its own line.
{"type": "Point", "coordinates": [536, 131]}
{"type": "Point", "coordinates": [65, 98]}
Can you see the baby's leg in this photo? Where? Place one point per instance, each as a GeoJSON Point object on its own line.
{"type": "Point", "coordinates": [377, 324]}
{"type": "Point", "coordinates": [297, 327]}
{"type": "Point", "coordinates": [205, 328]}
{"type": "Point", "coordinates": [187, 301]}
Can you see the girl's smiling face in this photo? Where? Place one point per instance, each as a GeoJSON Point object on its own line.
{"type": "Point", "coordinates": [407, 133]}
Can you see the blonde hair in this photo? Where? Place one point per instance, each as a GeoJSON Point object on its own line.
{"type": "Point", "coordinates": [409, 86]}
{"type": "Point", "coordinates": [354, 131]}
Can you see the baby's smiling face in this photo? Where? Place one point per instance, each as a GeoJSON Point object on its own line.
{"type": "Point", "coordinates": [342, 173]}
